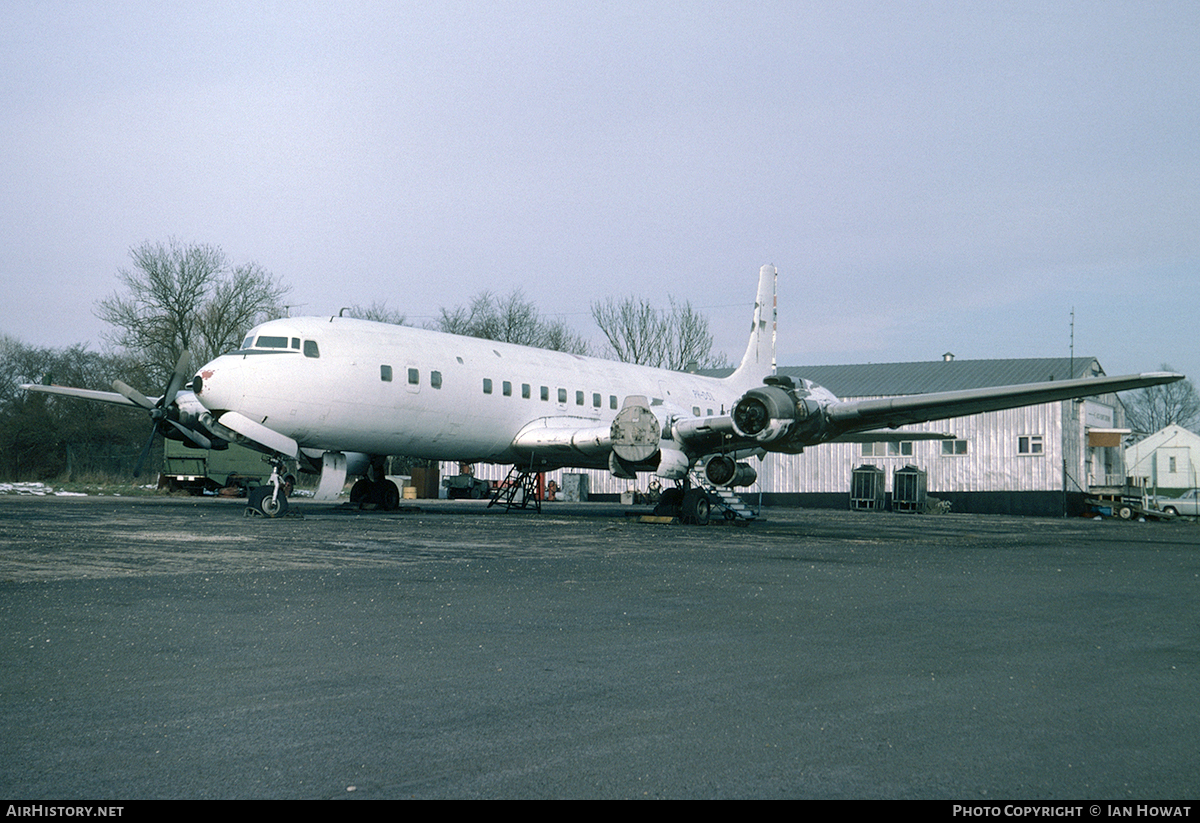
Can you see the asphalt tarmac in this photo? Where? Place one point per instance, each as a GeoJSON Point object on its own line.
{"type": "Point", "coordinates": [172, 648]}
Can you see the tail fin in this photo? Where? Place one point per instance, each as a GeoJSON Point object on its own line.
{"type": "Point", "coordinates": [759, 359]}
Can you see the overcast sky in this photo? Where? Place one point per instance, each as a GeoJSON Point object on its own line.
{"type": "Point", "coordinates": [927, 176]}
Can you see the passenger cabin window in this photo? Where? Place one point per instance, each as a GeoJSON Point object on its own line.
{"type": "Point", "coordinates": [310, 349]}
{"type": "Point", "coordinates": [506, 387]}
{"type": "Point", "coordinates": [596, 399]}
{"type": "Point", "coordinates": [562, 395]}
{"type": "Point", "coordinates": [487, 385]}
{"type": "Point", "coordinates": [578, 398]}
{"type": "Point", "coordinates": [435, 379]}
{"type": "Point", "coordinates": [612, 401]}
{"type": "Point", "coordinates": [414, 377]}
{"type": "Point", "coordinates": [525, 391]}
{"type": "Point", "coordinates": [545, 392]}
{"type": "Point", "coordinates": [385, 374]}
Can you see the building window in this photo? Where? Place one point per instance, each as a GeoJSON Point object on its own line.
{"type": "Point", "coordinates": [903, 448]}
{"type": "Point", "coordinates": [1029, 444]}
{"type": "Point", "coordinates": [953, 447]}
{"type": "Point", "coordinates": [385, 374]}
{"type": "Point", "coordinates": [1171, 465]}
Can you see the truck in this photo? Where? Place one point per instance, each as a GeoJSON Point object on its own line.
{"type": "Point", "coordinates": [236, 469]}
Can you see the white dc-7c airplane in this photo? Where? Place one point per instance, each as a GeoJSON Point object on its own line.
{"type": "Point", "coordinates": [338, 395]}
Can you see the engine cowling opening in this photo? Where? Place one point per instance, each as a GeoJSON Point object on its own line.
{"type": "Point", "coordinates": [723, 470]}
{"type": "Point", "coordinates": [779, 415]}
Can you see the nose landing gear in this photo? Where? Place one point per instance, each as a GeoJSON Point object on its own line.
{"type": "Point", "coordinates": [271, 499]}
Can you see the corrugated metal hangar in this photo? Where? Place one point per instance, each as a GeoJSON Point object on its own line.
{"type": "Point", "coordinates": [1032, 460]}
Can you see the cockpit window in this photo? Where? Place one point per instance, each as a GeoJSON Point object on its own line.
{"type": "Point", "coordinates": [265, 342]}
{"type": "Point", "coordinates": [310, 349]}
{"type": "Point", "coordinates": [248, 342]}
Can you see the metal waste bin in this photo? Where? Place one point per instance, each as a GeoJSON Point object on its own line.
{"type": "Point", "coordinates": [909, 489]}
{"type": "Point", "coordinates": [867, 488]}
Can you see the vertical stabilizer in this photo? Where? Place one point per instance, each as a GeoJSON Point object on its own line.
{"type": "Point", "coordinates": [759, 359]}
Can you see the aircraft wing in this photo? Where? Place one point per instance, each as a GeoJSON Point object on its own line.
{"type": "Point", "coordinates": [83, 394]}
{"type": "Point", "coordinates": [890, 412]}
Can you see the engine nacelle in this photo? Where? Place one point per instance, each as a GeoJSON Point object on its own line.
{"type": "Point", "coordinates": [779, 415]}
{"type": "Point", "coordinates": [723, 470]}
{"type": "Point", "coordinates": [636, 431]}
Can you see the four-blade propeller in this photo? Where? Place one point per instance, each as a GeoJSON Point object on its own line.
{"type": "Point", "coordinates": [161, 410]}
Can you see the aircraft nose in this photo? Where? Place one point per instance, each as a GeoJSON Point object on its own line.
{"type": "Point", "coordinates": [217, 386]}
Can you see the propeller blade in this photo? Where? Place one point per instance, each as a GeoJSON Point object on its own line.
{"type": "Point", "coordinates": [183, 369]}
{"type": "Point", "coordinates": [191, 434]}
{"type": "Point", "coordinates": [133, 394]}
{"type": "Point", "coordinates": [145, 451]}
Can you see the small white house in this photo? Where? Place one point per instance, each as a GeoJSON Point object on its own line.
{"type": "Point", "coordinates": [1169, 459]}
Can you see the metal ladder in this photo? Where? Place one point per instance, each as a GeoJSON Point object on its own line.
{"type": "Point", "coordinates": [724, 498]}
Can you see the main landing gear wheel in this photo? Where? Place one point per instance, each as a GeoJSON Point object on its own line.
{"type": "Point", "coordinates": [669, 503]}
{"type": "Point", "coordinates": [264, 501]}
{"type": "Point", "coordinates": [382, 494]}
{"type": "Point", "coordinates": [697, 508]}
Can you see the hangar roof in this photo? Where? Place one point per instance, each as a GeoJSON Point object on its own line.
{"type": "Point", "coordinates": [885, 379]}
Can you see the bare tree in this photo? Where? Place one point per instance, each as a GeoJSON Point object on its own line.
{"type": "Point", "coordinates": [1153, 409]}
{"type": "Point", "coordinates": [511, 319]}
{"type": "Point", "coordinates": [379, 312]}
{"type": "Point", "coordinates": [179, 296]}
{"type": "Point", "coordinates": [675, 338]}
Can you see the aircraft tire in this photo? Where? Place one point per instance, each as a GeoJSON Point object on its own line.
{"type": "Point", "coordinates": [669, 503]}
{"type": "Point", "coordinates": [697, 508]}
{"type": "Point", "coordinates": [360, 492]}
{"type": "Point", "coordinates": [388, 496]}
{"type": "Point", "coordinates": [264, 501]}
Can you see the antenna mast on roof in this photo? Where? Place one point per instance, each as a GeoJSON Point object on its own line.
{"type": "Point", "coordinates": [1072, 342]}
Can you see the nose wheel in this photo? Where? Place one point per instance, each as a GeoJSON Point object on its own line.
{"type": "Point", "coordinates": [270, 499]}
